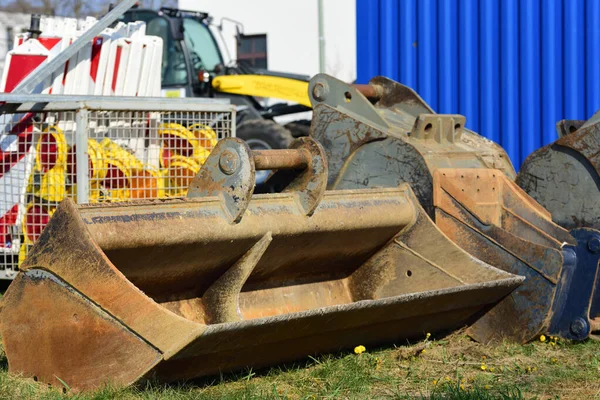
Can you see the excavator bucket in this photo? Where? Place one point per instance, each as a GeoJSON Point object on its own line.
{"type": "Point", "coordinates": [180, 288]}
{"type": "Point", "coordinates": [564, 176]}
{"type": "Point", "coordinates": [383, 135]}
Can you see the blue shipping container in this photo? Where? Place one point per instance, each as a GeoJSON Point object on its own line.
{"type": "Point", "coordinates": [513, 67]}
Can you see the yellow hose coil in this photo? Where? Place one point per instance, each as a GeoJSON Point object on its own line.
{"type": "Point", "coordinates": [192, 143]}
{"type": "Point", "coordinates": [50, 162]}
{"type": "Point", "coordinates": [126, 178]}
{"type": "Point", "coordinates": [205, 135]}
{"type": "Point", "coordinates": [179, 174]}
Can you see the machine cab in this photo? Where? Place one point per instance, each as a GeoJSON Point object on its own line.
{"type": "Point", "coordinates": [190, 50]}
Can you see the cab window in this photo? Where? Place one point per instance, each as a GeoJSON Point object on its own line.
{"type": "Point", "coordinates": [174, 71]}
{"type": "Point", "coordinates": [204, 53]}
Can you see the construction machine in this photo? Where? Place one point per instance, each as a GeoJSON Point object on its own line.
{"type": "Point", "coordinates": [195, 66]}
{"type": "Point", "coordinates": [391, 221]}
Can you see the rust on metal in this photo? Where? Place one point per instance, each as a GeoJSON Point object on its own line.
{"type": "Point", "coordinates": [280, 159]}
{"type": "Point", "coordinates": [566, 126]}
{"type": "Point", "coordinates": [371, 92]}
{"type": "Point", "coordinates": [464, 182]}
{"type": "Point", "coordinates": [228, 173]}
{"type": "Point", "coordinates": [493, 219]}
{"type": "Point", "coordinates": [399, 139]}
{"type": "Point", "coordinates": [172, 289]}
{"type": "Point", "coordinates": [438, 128]}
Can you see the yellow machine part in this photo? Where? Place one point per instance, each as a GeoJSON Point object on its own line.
{"type": "Point", "coordinates": [264, 86]}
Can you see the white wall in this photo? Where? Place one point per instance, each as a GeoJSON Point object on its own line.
{"type": "Point", "coordinates": [19, 23]}
{"type": "Point", "coordinates": [292, 31]}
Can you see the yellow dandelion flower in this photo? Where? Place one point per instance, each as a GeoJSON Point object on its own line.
{"type": "Point", "coordinates": [542, 338]}
{"type": "Point", "coordinates": [553, 343]}
{"type": "Point", "coordinates": [462, 387]}
{"type": "Point", "coordinates": [492, 369]}
{"type": "Point", "coordinates": [554, 360]}
{"type": "Point", "coordinates": [423, 351]}
{"type": "Point", "coordinates": [428, 335]}
{"type": "Point", "coordinates": [447, 378]}
{"type": "Point", "coordinates": [487, 387]}
{"type": "Point", "coordinates": [434, 382]}
{"type": "Point", "coordinates": [359, 349]}
{"type": "Point", "coordinates": [483, 367]}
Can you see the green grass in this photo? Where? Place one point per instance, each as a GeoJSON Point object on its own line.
{"type": "Point", "coordinates": [450, 368]}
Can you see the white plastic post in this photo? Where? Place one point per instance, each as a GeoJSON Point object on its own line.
{"type": "Point", "coordinates": [81, 156]}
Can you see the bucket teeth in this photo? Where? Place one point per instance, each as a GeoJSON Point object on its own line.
{"type": "Point", "coordinates": [181, 288]}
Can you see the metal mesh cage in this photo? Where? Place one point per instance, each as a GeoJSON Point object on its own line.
{"type": "Point", "coordinates": [94, 154]}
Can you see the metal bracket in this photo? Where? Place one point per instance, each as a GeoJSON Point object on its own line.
{"type": "Point", "coordinates": [309, 184]}
{"type": "Point", "coordinates": [440, 128]}
{"type": "Point", "coordinates": [568, 126]}
{"type": "Point", "coordinates": [324, 89]}
{"type": "Point", "coordinates": [575, 301]}
{"type": "Point", "coordinates": [230, 174]}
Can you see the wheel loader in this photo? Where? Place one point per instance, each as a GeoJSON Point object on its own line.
{"type": "Point", "coordinates": [392, 222]}
{"type": "Point", "coordinates": [194, 66]}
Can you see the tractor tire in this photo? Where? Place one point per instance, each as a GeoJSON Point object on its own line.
{"type": "Point", "coordinates": [299, 128]}
{"type": "Point", "coordinates": [264, 134]}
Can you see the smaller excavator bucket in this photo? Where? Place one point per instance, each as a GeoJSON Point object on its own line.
{"type": "Point", "coordinates": [383, 134]}
{"type": "Point", "coordinates": [180, 288]}
{"type": "Point", "coordinates": [564, 176]}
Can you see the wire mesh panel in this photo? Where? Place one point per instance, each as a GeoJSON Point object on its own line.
{"type": "Point", "coordinates": [95, 155]}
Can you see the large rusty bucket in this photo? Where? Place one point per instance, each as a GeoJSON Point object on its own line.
{"type": "Point", "coordinates": [383, 135]}
{"type": "Point", "coordinates": [181, 288]}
